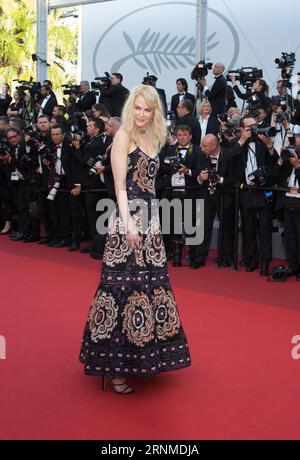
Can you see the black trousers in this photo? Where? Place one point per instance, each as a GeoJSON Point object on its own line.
{"type": "Point", "coordinates": [22, 195]}
{"type": "Point", "coordinates": [212, 208]}
{"type": "Point", "coordinates": [5, 203]}
{"type": "Point", "coordinates": [257, 220]}
{"type": "Point", "coordinates": [61, 217]}
{"type": "Point", "coordinates": [43, 216]}
{"type": "Point", "coordinates": [292, 237]}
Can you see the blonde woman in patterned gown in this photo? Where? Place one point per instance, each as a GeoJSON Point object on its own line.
{"type": "Point", "coordinates": [133, 327]}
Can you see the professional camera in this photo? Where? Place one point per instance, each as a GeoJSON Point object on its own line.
{"type": "Point", "coordinates": [260, 176]}
{"type": "Point", "coordinates": [76, 133]}
{"type": "Point", "coordinates": [103, 82]}
{"type": "Point", "coordinates": [286, 60]}
{"type": "Point", "coordinates": [201, 70]}
{"type": "Point", "coordinates": [149, 80]}
{"type": "Point", "coordinates": [52, 194]}
{"type": "Point", "coordinates": [270, 131]}
{"type": "Point", "coordinates": [71, 89]}
{"type": "Point", "coordinates": [35, 136]}
{"type": "Point", "coordinates": [231, 125]}
{"type": "Point", "coordinates": [173, 163]}
{"type": "Point", "coordinates": [46, 154]}
{"type": "Point", "coordinates": [171, 120]}
{"type": "Point", "coordinates": [286, 64]}
{"type": "Point", "coordinates": [246, 75]}
{"type": "Point", "coordinates": [99, 160]}
{"type": "Point", "coordinates": [212, 175]}
{"type": "Point", "coordinates": [280, 117]}
{"type": "Point", "coordinates": [231, 128]}
{"type": "Point", "coordinates": [34, 87]}
{"type": "Point", "coordinates": [4, 147]}
{"type": "Point", "coordinates": [288, 152]}
{"type": "Point", "coordinates": [88, 113]}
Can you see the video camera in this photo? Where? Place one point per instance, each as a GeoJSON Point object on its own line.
{"type": "Point", "coordinates": [101, 82]}
{"type": "Point", "coordinates": [260, 176]}
{"type": "Point", "coordinates": [94, 163]}
{"type": "Point", "coordinates": [246, 75]}
{"type": "Point", "coordinates": [149, 80]}
{"type": "Point", "coordinates": [173, 163]}
{"type": "Point", "coordinates": [286, 64]}
{"type": "Point", "coordinates": [201, 70]}
{"type": "Point", "coordinates": [288, 152]}
{"type": "Point", "coordinates": [71, 89]}
{"type": "Point", "coordinates": [33, 87]}
{"type": "Point", "coordinates": [286, 60]}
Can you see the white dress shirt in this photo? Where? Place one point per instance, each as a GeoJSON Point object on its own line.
{"type": "Point", "coordinates": [251, 162]}
{"type": "Point", "coordinates": [45, 100]}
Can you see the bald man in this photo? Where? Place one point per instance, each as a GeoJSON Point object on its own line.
{"type": "Point", "coordinates": [216, 174]}
{"type": "Point", "coordinates": [217, 94]}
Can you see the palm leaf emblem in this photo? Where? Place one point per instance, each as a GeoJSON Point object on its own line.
{"type": "Point", "coordinates": [156, 51]}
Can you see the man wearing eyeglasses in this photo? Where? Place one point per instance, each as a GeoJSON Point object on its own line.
{"type": "Point", "coordinates": [20, 164]}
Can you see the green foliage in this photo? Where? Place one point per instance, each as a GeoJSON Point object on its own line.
{"type": "Point", "coordinates": [18, 42]}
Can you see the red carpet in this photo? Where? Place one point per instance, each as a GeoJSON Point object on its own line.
{"type": "Point", "coordinates": [243, 383]}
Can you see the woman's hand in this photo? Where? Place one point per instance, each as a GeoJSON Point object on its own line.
{"type": "Point", "coordinates": [134, 239]}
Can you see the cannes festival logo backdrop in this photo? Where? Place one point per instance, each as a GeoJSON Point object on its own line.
{"type": "Point", "coordinates": [160, 39]}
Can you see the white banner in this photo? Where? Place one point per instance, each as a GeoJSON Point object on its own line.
{"type": "Point", "coordinates": [158, 37]}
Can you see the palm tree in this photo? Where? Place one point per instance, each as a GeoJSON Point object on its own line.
{"type": "Point", "coordinates": [18, 42]}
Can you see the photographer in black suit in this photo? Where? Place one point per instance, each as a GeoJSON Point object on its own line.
{"type": "Point", "coordinates": [86, 154]}
{"type": "Point", "coordinates": [178, 169]}
{"type": "Point", "coordinates": [254, 165]}
{"type": "Point", "coordinates": [215, 175]}
{"type": "Point", "coordinates": [21, 164]}
{"type": "Point", "coordinates": [47, 102]}
{"type": "Point", "coordinates": [287, 174]}
{"type": "Point", "coordinates": [182, 88]}
{"type": "Point", "coordinates": [64, 204]}
{"type": "Point", "coordinates": [85, 99]}
{"type": "Point", "coordinates": [114, 95]}
{"type": "Point", "coordinates": [217, 94]}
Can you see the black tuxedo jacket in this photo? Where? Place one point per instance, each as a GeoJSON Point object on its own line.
{"type": "Point", "coordinates": [90, 149]}
{"type": "Point", "coordinates": [108, 175]}
{"type": "Point", "coordinates": [4, 104]}
{"type": "Point", "coordinates": [212, 126]}
{"type": "Point", "coordinates": [114, 98]}
{"type": "Point", "coordinates": [85, 102]}
{"type": "Point", "coordinates": [70, 165]}
{"type": "Point", "coordinates": [217, 95]}
{"type": "Point", "coordinates": [175, 101]}
{"type": "Point", "coordinates": [282, 174]}
{"type": "Point", "coordinates": [194, 124]}
{"type": "Point", "coordinates": [163, 98]}
{"type": "Point", "coordinates": [190, 160]}
{"type": "Point", "coordinates": [253, 198]}
{"type": "Point", "coordinates": [48, 109]}
{"type": "Point", "coordinates": [224, 169]}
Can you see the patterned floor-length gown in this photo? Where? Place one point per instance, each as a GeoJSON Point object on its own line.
{"type": "Point", "coordinates": [133, 327]}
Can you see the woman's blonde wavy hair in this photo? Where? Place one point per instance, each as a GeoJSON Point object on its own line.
{"type": "Point", "coordinates": [158, 127]}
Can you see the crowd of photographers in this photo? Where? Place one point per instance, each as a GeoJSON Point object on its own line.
{"type": "Point", "coordinates": [53, 172]}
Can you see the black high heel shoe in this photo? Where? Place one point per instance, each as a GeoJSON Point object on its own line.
{"type": "Point", "coordinates": [125, 391]}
